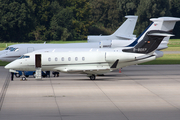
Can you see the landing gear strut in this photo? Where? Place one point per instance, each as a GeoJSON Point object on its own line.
{"type": "Point", "coordinates": [23, 76]}
{"type": "Point", "coordinates": [92, 77]}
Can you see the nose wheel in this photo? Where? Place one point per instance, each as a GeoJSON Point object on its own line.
{"type": "Point", "coordinates": [23, 79]}
{"type": "Point", "coordinates": [92, 77]}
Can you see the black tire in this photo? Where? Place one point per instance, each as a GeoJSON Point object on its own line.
{"type": "Point", "coordinates": [34, 74]}
{"type": "Point", "coordinates": [23, 78]}
{"type": "Point", "coordinates": [92, 77]}
{"type": "Point", "coordinates": [17, 75]}
{"type": "Point", "coordinates": [27, 75]}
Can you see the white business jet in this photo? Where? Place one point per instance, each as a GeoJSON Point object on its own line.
{"type": "Point", "coordinates": [92, 62]}
{"type": "Point", "coordinates": [15, 51]}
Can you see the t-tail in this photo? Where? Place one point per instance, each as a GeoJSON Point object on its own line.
{"type": "Point", "coordinates": [162, 23]}
{"type": "Point", "coordinates": [150, 42]}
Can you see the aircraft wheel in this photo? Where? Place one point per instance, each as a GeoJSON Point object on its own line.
{"type": "Point", "coordinates": [27, 75]}
{"type": "Point", "coordinates": [34, 74]}
{"type": "Point", "coordinates": [92, 77]}
{"type": "Point", "coordinates": [23, 78]}
{"type": "Point", "coordinates": [17, 75]}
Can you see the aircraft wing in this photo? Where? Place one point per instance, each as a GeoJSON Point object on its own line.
{"type": "Point", "coordinates": [82, 70]}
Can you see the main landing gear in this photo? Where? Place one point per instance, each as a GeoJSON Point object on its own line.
{"type": "Point", "coordinates": [92, 77]}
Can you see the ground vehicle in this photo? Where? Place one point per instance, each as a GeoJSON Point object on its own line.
{"type": "Point", "coordinates": [28, 73]}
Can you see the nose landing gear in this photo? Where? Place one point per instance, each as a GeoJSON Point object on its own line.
{"type": "Point", "coordinates": [23, 78]}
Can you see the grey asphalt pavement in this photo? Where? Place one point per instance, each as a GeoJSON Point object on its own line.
{"type": "Point", "coordinates": [144, 92]}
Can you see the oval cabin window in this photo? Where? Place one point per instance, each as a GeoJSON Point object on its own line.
{"type": "Point", "coordinates": [49, 59]}
{"type": "Point", "coordinates": [62, 59]}
{"type": "Point", "coordinates": [69, 58]}
{"type": "Point", "coordinates": [56, 59]}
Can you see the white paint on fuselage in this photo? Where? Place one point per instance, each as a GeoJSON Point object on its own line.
{"type": "Point", "coordinates": [93, 62]}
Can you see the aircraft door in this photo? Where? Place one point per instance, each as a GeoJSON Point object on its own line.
{"type": "Point", "coordinates": [38, 60]}
{"type": "Point", "coordinates": [38, 66]}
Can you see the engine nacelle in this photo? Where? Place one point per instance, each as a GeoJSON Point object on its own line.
{"type": "Point", "coordinates": [158, 54]}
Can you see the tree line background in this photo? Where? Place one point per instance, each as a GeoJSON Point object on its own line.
{"type": "Point", "coordinates": [25, 20]}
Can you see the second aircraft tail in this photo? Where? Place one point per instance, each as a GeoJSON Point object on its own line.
{"type": "Point", "coordinates": [150, 42]}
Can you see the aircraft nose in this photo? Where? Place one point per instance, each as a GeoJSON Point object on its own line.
{"type": "Point", "coordinates": [10, 66]}
{"type": "Point", "coordinates": [2, 52]}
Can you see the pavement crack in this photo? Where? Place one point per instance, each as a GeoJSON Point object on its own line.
{"type": "Point", "coordinates": [60, 115]}
{"type": "Point", "coordinates": [111, 101]}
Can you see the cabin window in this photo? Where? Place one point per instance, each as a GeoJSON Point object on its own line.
{"type": "Point", "coordinates": [83, 58]}
{"type": "Point", "coordinates": [76, 58]}
{"type": "Point", "coordinates": [7, 48]}
{"type": "Point", "coordinates": [69, 58]}
{"type": "Point", "coordinates": [62, 59]}
{"type": "Point", "coordinates": [49, 59]}
{"type": "Point", "coordinates": [56, 59]}
{"type": "Point", "coordinates": [11, 48]}
{"type": "Point", "coordinates": [21, 57]}
{"type": "Point", "coordinates": [16, 49]}
{"type": "Point", "coordinates": [24, 56]}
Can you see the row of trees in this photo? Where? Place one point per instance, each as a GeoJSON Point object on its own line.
{"type": "Point", "coordinates": [24, 20]}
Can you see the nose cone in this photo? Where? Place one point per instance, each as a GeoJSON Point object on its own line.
{"type": "Point", "coordinates": [2, 52]}
{"type": "Point", "coordinates": [8, 66]}
{"type": "Point", "coordinates": [11, 65]}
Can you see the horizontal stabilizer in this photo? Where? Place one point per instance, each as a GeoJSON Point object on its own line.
{"type": "Point", "coordinates": [160, 34]}
{"type": "Point", "coordinates": [125, 37]}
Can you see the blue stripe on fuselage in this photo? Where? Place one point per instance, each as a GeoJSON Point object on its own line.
{"type": "Point", "coordinates": [136, 41]}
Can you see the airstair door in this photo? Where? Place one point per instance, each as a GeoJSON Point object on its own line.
{"type": "Point", "coordinates": [38, 66]}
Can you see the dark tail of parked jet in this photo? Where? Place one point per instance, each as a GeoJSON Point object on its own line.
{"type": "Point", "coordinates": [150, 42]}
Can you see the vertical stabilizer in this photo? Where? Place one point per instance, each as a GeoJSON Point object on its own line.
{"type": "Point", "coordinates": [164, 24]}
{"type": "Point", "coordinates": [168, 24]}
{"type": "Point", "coordinates": [127, 28]}
{"type": "Point", "coordinates": [124, 32]}
{"type": "Point", "coordinates": [151, 40]}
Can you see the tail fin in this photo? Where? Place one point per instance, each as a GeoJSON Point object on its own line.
{"type": "Point", "coordinates": [168, 25]}
{"type": "Point", "coordinates": [124, 32]}
{"type": "Point", "coordinates": [127, 28]}
{"type": "Point", "coordinates": [149, 43]}
{"type": "Point", "coordinates": [162, 23]}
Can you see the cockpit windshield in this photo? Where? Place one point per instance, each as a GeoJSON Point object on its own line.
{"type": "Point", "coordinates": [24, 56]}
{"type": "Point", "coordinates": [12, 49]}
{"type": "Point", "coordinates": [7, 48]}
